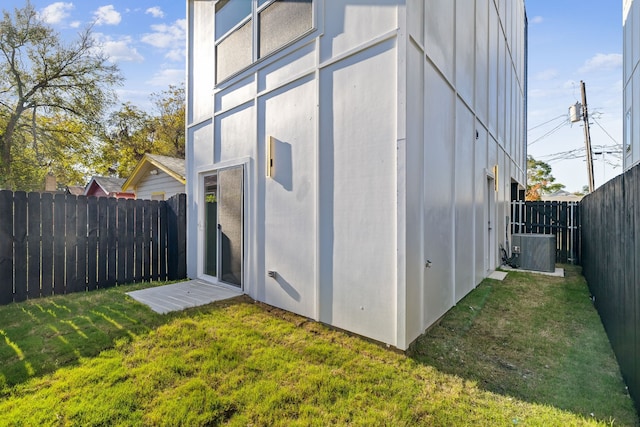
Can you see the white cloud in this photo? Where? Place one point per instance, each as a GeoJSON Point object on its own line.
{"type": "Point", "coordinates": [170, 76]}
{"type": "Point", "coordinates": [536, 20]}
{"type": "Point", "coordinates": [176, 55]}
{"type": "Point", "coordinates": [170, 37]}
{"type": "Point", "coordinates": [547, 74]}
{"type": "Point", "coordinates": [155, 11]}
{"type": "Point", "coordinates": [75, 24]}
{"type": "Point", "coordinates": [55, 13]}
{"type": "Point", "coordinates": [107, 15]}
{"type": "Point", "coordinates": [120, 50]}
{"type": "Point", "coordinates": [602, 61]}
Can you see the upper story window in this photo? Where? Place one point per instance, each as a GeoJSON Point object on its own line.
{"type": "Point", "coordinates": [240, 41]}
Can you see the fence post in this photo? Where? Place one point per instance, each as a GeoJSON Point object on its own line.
{"type": "Point", "coordinates": [177, 236]}
{"type": "Point", "coordinates": [6, 246]}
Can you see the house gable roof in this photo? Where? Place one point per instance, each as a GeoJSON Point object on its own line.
{"type": "Point", "coordinates": [172, 166]}
{"type": "Point", "coordinates": [108, 184]}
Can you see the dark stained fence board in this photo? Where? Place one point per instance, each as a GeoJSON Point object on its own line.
{"type": "Point", "coordinates": [81, 236]}
{"type": "Point", "coordinates": [58, 244]}
{"type": "Point", "coordinates": [129, 241]}
{"type": "Point", "coordinates": [103, 241]}
{"type": "Point", "coordinates": [34, 222]}
{"type": "Point", "coordinates": [46, 214]}
{"type": "Point", "coordinates": [172, 236]}
{"type": "Point", "coordinates": [162, 244]}
{"type": "Point", "coordinates": [154, 241]}
{"type": "Point", "coordinates": [111, 242]}
{"type": "Point", "coordinates": [176, 235]}
{"type": "Point", "coordinates": [6, 246]}
{"type": "Point", "coordinates": [121, 219]}
{"type": "Point", "coordinates": [139, 237]}
{"type": "Point", "coordinates": [92, 243]}
{"type": "Point", "coordinates": [146, 249]}
{"type": "Point", "coordinates": [558, 218]}
{"type": "Point", "coordinates": [181, 240]}
{"type": "Point", "coordinates": [611, 264]}
{"type": "Point", "coordinates": [20, 245]}
{"type": "Point", "coordinates": [71, 243]}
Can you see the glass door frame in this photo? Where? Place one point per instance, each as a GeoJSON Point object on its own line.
{"type": "Point", "coordinates": [202, 227]}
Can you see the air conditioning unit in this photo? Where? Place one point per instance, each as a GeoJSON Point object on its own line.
{"type": "Point", "coordinates": [535, 252]}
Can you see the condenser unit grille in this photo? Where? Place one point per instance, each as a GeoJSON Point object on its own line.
{"type": "Point", "coordinates": [536, 252]}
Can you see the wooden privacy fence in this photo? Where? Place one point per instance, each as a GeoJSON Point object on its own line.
{"type": "Point", "coordinates": [611, 265]}
{"type": "Point", "coordinates": [57, 244]}
{"type": "Point", "coordinates": [561, 219]}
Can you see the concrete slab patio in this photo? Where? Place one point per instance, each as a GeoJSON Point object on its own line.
{"type": "Point", "coordinates": [178, 296]}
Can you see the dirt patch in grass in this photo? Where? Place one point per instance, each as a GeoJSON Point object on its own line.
{"type": "Point", "coordinates": [535, 338]}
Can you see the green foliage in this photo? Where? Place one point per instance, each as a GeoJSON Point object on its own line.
{"type": "Point", "coordinates": [131, 132]}
{"type": "Point", "coordinates": [240, 363]}
{"type": "Point", "coordinates": [539, 179]}
{"type": "Point", "coordinates": [52, 97]}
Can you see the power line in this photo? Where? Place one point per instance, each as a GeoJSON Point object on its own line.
{"type": "Point", "coordinates": [618, 145]}
{"type": "Point", "coordinates": [555, 129]}
{"type": "Point", "coordinates": [548, 121]}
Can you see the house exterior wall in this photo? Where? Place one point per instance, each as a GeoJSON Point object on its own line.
{"type": "Point", "coordinates": [386, 131]}
{"type": "Point", "coordinates": [466, 85]}
{"type": "Point", "coordinates": [631, 81]}
{"type": "Point", "coordinates": [162, 183]}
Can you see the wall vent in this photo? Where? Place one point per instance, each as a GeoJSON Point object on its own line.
{"type": "Point", "coordinates": [536, 252]}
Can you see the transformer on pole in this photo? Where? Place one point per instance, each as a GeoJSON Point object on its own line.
{"type": "Point", "coordinates": [578, 112]}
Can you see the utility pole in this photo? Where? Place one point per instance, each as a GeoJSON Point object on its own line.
{"type": "Point", "coordinates": [587, 137]}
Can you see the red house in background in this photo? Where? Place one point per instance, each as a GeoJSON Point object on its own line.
{"type": "Point", "coordinates": [104, 186]}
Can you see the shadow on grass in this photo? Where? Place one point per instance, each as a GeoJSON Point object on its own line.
{"type": "Point", "coordinates": [42, 335]}
{"type": "Point", "coordinates": [535, 338]}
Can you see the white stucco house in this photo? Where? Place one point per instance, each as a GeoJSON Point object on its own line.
{"type": "Point", "coordinates": [353, 161]}
{"type": "Point", "coordinates": [631, 83]}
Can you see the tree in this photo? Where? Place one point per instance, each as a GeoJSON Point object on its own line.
{"type": "Point", "coordinates": [539, 179]}
{"type": "Point", "coordinates": [45, 79]}
{"type": "Point", "coordinates": [169, 124]}
{"type": "Point", "coordinates": [131, 132]}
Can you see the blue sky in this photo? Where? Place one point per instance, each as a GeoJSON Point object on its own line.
{"type": "Point", "coordinates": [569, 41]}
{"type": "Point", "coordinates": [146, 38]}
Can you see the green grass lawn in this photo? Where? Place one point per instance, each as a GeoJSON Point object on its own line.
{"type": "Point", "coordinates": [103, 359]}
